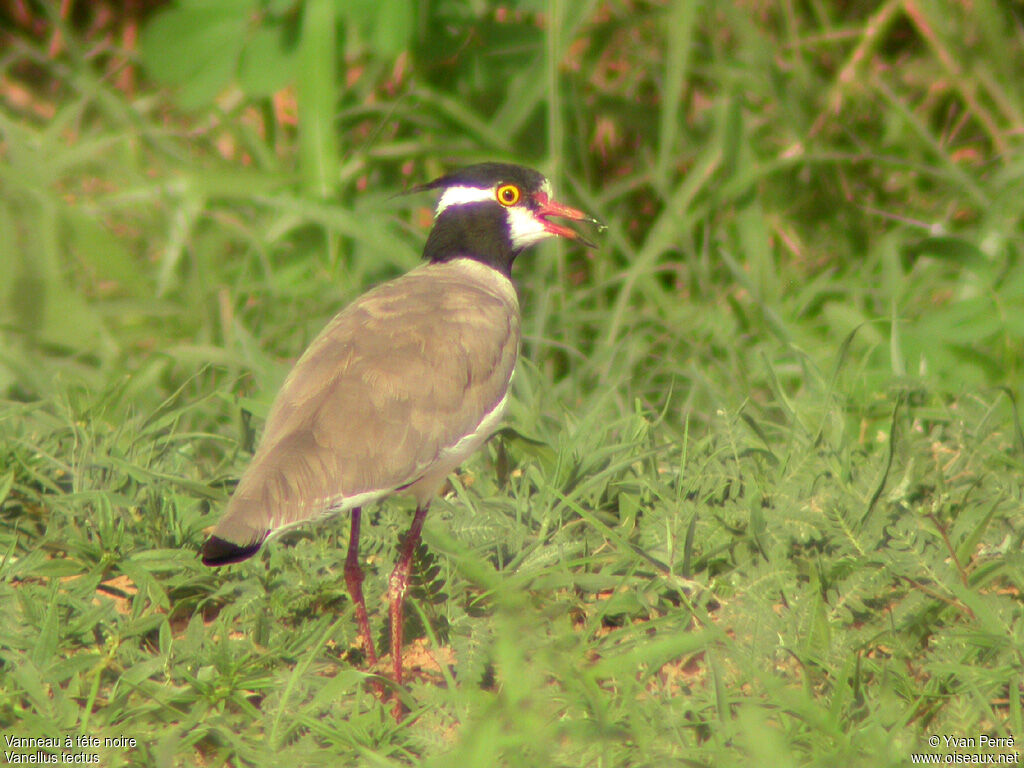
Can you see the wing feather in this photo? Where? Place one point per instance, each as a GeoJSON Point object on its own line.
{"type": "Point", "coordinates": [386, 390]}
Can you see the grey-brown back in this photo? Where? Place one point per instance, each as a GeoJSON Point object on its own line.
{"type": "Point", "coordinates": [394, 381]}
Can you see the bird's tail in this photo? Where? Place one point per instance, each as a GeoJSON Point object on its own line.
{"type": "Point", "coordinates": [221, 551]}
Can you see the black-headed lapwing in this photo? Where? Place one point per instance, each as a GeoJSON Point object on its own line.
{"type": "Point", "coordinates": [402, 384]}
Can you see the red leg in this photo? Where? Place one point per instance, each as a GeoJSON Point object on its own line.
{"type": "Point", "coordinates": [396, 594]}
{"type": "Point", "coordinates": [354, 581]}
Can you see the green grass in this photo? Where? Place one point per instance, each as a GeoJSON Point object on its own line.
{"type": "Point", "coordinates": [760, 496]}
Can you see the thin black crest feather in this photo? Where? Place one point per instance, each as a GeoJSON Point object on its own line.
{"type": "Point", "coordinates": [484, 176]}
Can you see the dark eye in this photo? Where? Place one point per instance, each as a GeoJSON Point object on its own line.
{"type": "Point", "coordinates": [508, 194]}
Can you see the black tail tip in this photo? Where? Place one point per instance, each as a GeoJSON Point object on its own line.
{"type": "Point", "coordinates": [218, 551]}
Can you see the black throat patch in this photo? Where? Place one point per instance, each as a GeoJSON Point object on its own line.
{"type": "Point", "coordinates": [475, 231]}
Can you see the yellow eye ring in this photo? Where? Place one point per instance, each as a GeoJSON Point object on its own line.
{"type": "Point", "coordinates": [508, 194]}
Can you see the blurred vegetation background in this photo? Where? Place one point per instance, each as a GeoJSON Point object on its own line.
{"type": "Point", "coordinates": [760, 496]}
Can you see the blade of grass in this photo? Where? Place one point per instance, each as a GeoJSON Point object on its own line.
{"type": "Point", "coordinates": [318, 141]}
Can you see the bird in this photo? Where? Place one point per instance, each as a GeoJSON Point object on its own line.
{"type": "Point", "coordinates": [401, 385]}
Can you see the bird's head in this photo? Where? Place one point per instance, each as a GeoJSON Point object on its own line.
{"type": "Point", "coordinates": [492, 211]}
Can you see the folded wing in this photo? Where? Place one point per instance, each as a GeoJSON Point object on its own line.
{"type": "Point", "coordinates": [379, 399]}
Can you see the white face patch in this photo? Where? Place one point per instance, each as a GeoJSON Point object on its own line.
{"type": "Point", "coordinates": [524, 229]}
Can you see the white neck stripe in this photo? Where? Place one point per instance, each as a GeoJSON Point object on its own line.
{"type": "Point", "coordinates": [461, 196]}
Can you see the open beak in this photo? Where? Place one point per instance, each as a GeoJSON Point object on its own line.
{"type": "Point", "coordinates": [548, 207]}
